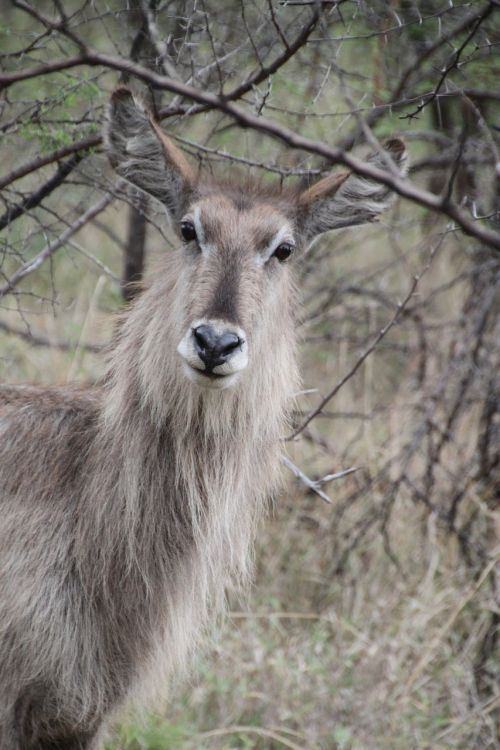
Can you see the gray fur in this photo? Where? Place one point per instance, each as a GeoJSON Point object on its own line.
{"type": "Point", "coordinates": [129, 508]}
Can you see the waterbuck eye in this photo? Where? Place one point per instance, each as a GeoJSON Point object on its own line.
{"type": "Point", "coordinates": [188, 231]}
{"type": "Point", "coordinates": [283, 251]}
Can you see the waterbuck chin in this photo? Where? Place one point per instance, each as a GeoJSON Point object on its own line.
{"type": "Point", "coordinates": [128, 508]}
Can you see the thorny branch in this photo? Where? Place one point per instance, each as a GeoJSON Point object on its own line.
{"type": "Point", "coordinates": [292, 139]}
{"type": "Point", "coordinates": [487, 11]}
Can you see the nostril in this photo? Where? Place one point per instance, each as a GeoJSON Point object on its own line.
{"type": "Point", "coordinates": [204, 337]}
{"type": "Point", "coordinates": [227, 343]}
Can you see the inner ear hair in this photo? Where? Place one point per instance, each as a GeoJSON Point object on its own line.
{"type": "Point", "coordinates": [347, 199]}
{"type": "Point", "coordinates": [328, 186]}
{"type": "Point", "coordinates": [142, 153]}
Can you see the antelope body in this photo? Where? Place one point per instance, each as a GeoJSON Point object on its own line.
{"type": "Point", "coordinates": [127, 509]}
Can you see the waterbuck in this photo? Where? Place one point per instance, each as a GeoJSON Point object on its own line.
{"type": "Point", "coordinates": [128, 508]}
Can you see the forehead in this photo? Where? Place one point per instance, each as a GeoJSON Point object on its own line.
{"type": "Point", "coordinates": [231, 216]}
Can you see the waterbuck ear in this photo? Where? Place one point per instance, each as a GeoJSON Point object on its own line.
{"type": "Point", "coordinates": [140, 152]}
{"type": "Point", "coordinates": [346, 199]}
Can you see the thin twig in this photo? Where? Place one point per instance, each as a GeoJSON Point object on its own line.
{"type": "Point", "coordinates": [315, 484]}
{"type": "Point", "coordinates": [382, 333]}
{"type": "Point", "coordinates": [50, 249]}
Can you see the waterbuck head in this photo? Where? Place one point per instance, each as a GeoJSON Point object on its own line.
{"type": "Point", "coordinates": [239, 243]}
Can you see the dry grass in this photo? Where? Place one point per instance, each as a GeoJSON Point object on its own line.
{"type": "Point", "coordinates": [368, 661]}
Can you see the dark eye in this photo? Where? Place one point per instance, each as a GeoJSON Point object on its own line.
{"type": "Point", "coordinates": [283, 251]}
{"type": "Point", "coordinates": [188, 231]}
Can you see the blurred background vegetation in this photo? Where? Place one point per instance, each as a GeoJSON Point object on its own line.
{"type": "Point", "coordinates": [373, 621]}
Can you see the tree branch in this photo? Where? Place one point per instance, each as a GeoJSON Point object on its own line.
{"type": "Point", "coordinates": [383, 332]}
{"type": "Point", "coordinates": [51, 248]}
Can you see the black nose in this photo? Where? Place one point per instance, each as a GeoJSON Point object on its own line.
{"type": "Point", "coordinates": [214, 349]}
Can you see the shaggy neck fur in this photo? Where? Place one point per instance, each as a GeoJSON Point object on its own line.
{"type": "Point", "coordinates": [172, 527]}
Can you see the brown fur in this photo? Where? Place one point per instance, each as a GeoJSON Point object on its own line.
{"type": "Point", "coordinates": [129, 508]}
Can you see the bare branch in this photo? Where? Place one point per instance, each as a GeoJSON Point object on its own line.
{"type": "Point", "coordinates": [37, 339]}
{"type": "Point", "coordinates": [383, 332]}
{"type": "Point", "coordinates": [50, 249]}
